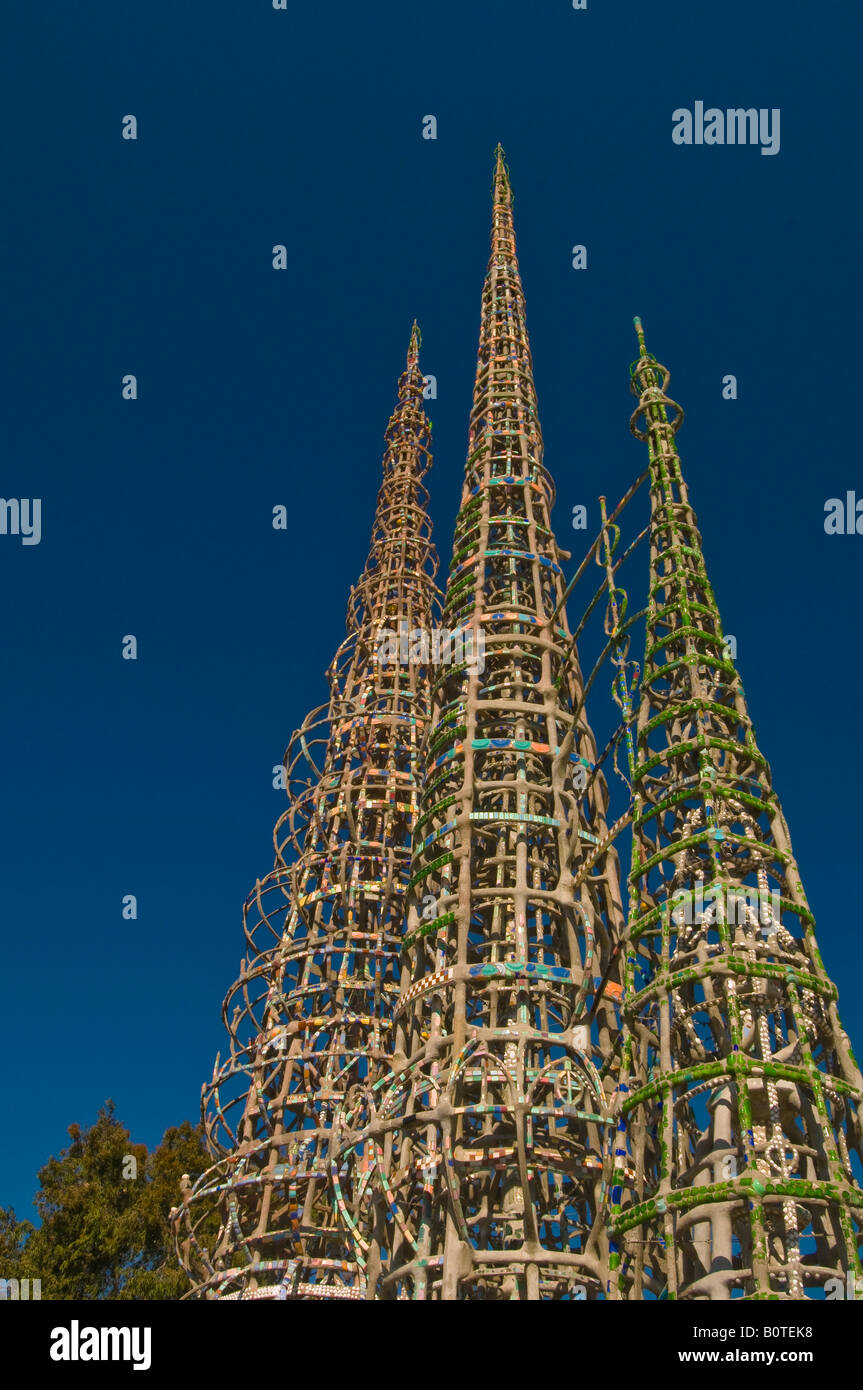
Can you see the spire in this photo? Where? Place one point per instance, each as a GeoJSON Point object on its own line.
{"type": "Point", "coordinates": [738, 1088]}
{"type": "Point", "coordinates": [504, 391]}
{"type": "Point", "coordinates": [486, 1143]}
{"type": "Point", "coordinates": [310, 1018]}
{"type": "Point", "coordinates": [502, 196]}
{"type": "Point", "coordinates": [414, 346]}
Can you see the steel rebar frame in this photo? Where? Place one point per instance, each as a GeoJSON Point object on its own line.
{"type": "Point", "coordinates": [485, 1147]}
{"type": "Point", "coordinates": [310, 1018]}
{"type": "Point", "coordinates": [738, 1091]}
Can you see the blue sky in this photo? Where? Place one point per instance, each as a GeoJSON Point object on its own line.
{"type": "Point", "coordinates": [259, 388]}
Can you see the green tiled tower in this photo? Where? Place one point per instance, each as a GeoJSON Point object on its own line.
{"type": "Point", "coordinates": [739, 1141]}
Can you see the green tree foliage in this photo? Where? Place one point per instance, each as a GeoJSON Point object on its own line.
{"type": "Point", "coordinates": [13, 1238]}
{"type": "Point", "coordinates": [104, 1206]}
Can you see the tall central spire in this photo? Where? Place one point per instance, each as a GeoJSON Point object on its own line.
{"type": "Point", "coordinates": [486, 1145]}
{"type": "Point", "coordinates": [504, 390]}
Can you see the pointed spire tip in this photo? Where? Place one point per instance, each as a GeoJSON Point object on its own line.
{"type": "Point", "coordinates": [501, 186]}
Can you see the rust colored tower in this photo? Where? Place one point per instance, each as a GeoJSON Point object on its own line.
{"type": "Point", "coordinates": [739, 1091]}
{"type": "Point", "coordinates": [311, 1017]}
{"type": "Point", "coordinates": [475, 1169]}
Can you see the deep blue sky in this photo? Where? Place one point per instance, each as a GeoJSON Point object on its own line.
{"type": "Point", "coordinates": [257, 388]}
